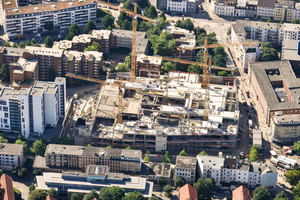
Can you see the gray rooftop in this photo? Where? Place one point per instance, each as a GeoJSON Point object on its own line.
{"type": "Point", "coordinates": [36, 91]}
{"type": "Point", "coordinates": [217, 162]}
{"type": "Point", "coordinates": [286, 120]}
{"type": "Point", "coordinates": [10, 51]}
{"type": "Point", "coordinates": [159, 169]}
{"type": "Point", "coordinates": [290, 50]}
{"type": "Point", "coordinates": [285, 4]}
{"type": "Point", "coordinates": [11, 149]}
{"type": "Point", "coordinates": [262, 168]}
{"type": "Point", "coordinates": [10, 93]}
{"type": "Point", "coordinates": [97, 170]}
{"type": "Point", "coordinates": [60, 80]}
{"type": "Point", "coordinates": [186, 162]}
{"type": "Point", "coordinates": [127, 33]}
{"type": "Point", "coordinates": [267, 3]}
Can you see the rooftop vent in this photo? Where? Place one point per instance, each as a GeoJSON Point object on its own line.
{"type": "Point", "coordinates": [53, 6]}
{"type": "Point", "coordinates": [36, 8]}
{"type": "Point", "coordinates": [71, 4]}
{"type": "Point", "coordinates": [8, 3]}
{"type": "Point", "coordinates": [16, 10]}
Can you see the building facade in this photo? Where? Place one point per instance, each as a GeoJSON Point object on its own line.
{"type": "Point", "coordinates": [284, 10]}
{"type": "Point", "coordinates": [148, 65]}
{"type": "Point", "coordinates": [223, 7]}
{"type": "Point", "coordinates": [266, 9]}
{"type": "Point", "coordinates": [10, 155]}
{"type": "Point", "coordinates": [178, 6]}
{"type": "Point", "coordinates": [186, 168]}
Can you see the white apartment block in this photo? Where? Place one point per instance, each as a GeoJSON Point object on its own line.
{"type": "Point", "coordinates": [10, 155]}
{"type": "Point", "coordinates": [31, 19]}
{"type": "Point", "coordinates": [229, 170]}
{"type": "Point", "coordinates": [176, 6]}
{"type": "Point", "coordinates": [296, 11]}
{"type": "Point", "coordinates": [29, 110]}
{"type": "Point", "coordinates": [186, 168]}
{"type": "Point", "coordinates": [222, 8]}
{"type": "Point", "coordinates": [265, 12]}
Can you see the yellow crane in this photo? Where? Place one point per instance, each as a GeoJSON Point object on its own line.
{"type": "Point", "coordinates": [134, 16]}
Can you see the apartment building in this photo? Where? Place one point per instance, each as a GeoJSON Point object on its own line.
{"type": "Point", "coordinates": [175, 6]}
{"type": "Point", "coordinates": [186, 168]}
{"type": "Point", "coordinates": [266, 9]}
{"type": "Point", "coordinates": [10, 55]}
{"type": "Point", "coordinates": [94, 177]}
{"type": "Point", "coordinates": [59, 157]}
{"type": "Point", "coordinates": [27, 111]}
{"type": "Point", "coordinates": [157, 170]}
{"type": "Point", "coordinates": [290, 52]}
{"type": "Point", "coordinates": [276, 87]}
{"type": "Point", "coordinates": [230, 170]}
{"type": "Point", "coordinates": [10, 155]}
{"type": "Point", "coordinates": [284, 10]}
{"type": "Point", "coordinates": [296, 11]}
{"type": "Point", "coordinates": [31, 19]}
{"type": "Point", "coordinates": [223, 7]}
{"type": "Point", "coordinates": [148, 65]}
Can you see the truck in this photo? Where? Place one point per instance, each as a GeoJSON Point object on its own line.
{"type": "Point", "coordinates": [274, 161]}
{"type": "Point", "coordinates": [250, 123]}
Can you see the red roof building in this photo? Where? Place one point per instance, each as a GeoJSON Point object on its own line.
{"type": "Point", "coordinates": [49, 197]}
{"type": "Point", "coordinates": [6, 184]}
{"type": "Point", "coordinates": [187, 192]}
{"type": "Point", "coordinates": [241, 193]}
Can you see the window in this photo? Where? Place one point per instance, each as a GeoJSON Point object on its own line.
{"type": "Point", "coordinates": [6, 115]}
{"type": "Point", "coordinates": [5, 121]}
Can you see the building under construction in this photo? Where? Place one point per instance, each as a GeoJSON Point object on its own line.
{"type": "Point", "coordinates": [159, 119]}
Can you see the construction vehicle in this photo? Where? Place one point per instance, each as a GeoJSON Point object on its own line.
{"type": "Point", "coordinates": [134, 16]}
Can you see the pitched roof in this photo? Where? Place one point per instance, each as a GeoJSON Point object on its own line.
{"type": "Point", "coordinates": [241, 193]}
{"type": "Point", "coordinates": [187, 192]}
{"type": "Point", "coordinates": [6, 184]}
{"type": "Point", "coordinates": [49, 197]}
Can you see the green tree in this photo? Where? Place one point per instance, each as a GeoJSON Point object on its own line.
{"type": "Point", "coordinates": [178, 23]}
{"type": "Point", "coordinates": [25, 149]}
{"type": "Point", "coordinates": [109, 147]}
{"type": "Point", "coordinates": [179, 181]}
{"type": "Point", "coordinates": [37, 172]}
{"type": "Point", "coordinates": [204, 188]}
{"type": "Point", "coordinates": [167, 67]}
{"type": "Point", "coordinates": [104, 193]}
{"type": "Point", "coordinates": [162, 15]}
{"type": "Point", "coordinates": [31, 188]}
{"type": "Point", "coordinates": [21, 45]}
{"type": "Point", "coordinates": [295, 21]}
{"type": "Point", "coordinates": [266, 45]}
{"type": "Point", "coordinates": [68, 141]}
{"type": "Point", "coordinates": [296, 147]}
{"type": "Point", "coordinates": [229, 31]}
{"type": "Point", "coordinates": [219, 51]}
{"type": "Point", "coordinates": [188, 24]}
{"type": "Point", "coordinates": [6, 44]}
{"type": "Point", "coordinates": [55, 140]}
{"type": "Point", "coordinates": [168, 190]}
{"type": "Point", "coordinates": [74, 30]}
{"type": "Point", "coordinates": [147, 158]}
{"type": "Point", "coordinates": [183, 153]}
{"type": "Point", "coordinates": [281, 196]}
{"type": "Point", "coordinates": [164, 44]}
{"type": "Point", "coordinates": [219, 60]}
{"type": "Point", "coordinates": [167, 154]}
{"type": "Point", "coordinates": [75, 197]}
{"type": "Point", "coordinates": [48, 42]}
{"type": "Point", "coordinates": [52, 192]}
{"type": "Point", "coordinates": [150, 12]}
{"type": "Point", "coordinates": [37, 195]}
{"type": "Point", "coordinates": [296, 192]}
{"type": "Point", "coordinates": [129, 148]}
{"type": "Point", "coordinates": [166, 160]}
{"type": "Point", "coordinates": [3, 140]}
{"type": "Point", "coordinates": [89, 145]}
{"type": "Point", "coordinates": [148, 152]}
{"type": "Point", "coordinates": [222, 73]}
{"type": "Point", "coordinates": [153, 198]}
{"type": "Point", "coordinates": [94, 47]}
{"type": "Point", "coordinates": [269, 54]}
{"type": "Point", "coordinates": [292, 177]}
{"type": "Point", "coordinates": [117, 193]}
{"type": "Point", "coordinates": [261, 193]}
{"type": "Point", "coordinates": [108, 22]}
{"type": "Point", "coordinates": [90, 26]}
{"type": "Point", "coordinates": [195, 69]}
{"type": "Point", "coordinates": [126, 25]}
{"type": "Point", "coordinates": [91, 195]}
{"type": "Point", "coordinates": [198, 31]}
{"type": "Point", "coordinates": [38, 147]}
{"type": "Point", "coordinates": [270, 20]}
{"type": "Point", "coordinates": [122, 67]}
{"type": "Point", "coordinates": [253, 154]}
{"type": "Point", "coordinates": [27, 43]}
{"type": "Point", "coordinates": [4, 73]}
{"type": "Point", "coordinates": [15, 45]}
{"type": "Point", "coordinates": [161, 181]}
{"type": "Point", "coordinates": [134, 196]}
{"type": "Point", "coordinates": [1, 172]}
{"type": "Point", "coordinates": [33, 41]}
{"type": "Point", "coordinates": [48, 26]}
{"type": "Point", "coordinates": [282, 21]}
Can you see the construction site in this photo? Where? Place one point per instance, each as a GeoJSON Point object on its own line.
{"type": "Point", "coordinates": [158, 119]}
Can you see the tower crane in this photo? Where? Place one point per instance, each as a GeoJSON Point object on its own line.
{"type": "Point", "coordinates": [134, 16]}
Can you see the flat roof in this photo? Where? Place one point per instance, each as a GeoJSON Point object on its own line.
{"type": "Point", "coordinates": [101, 34]}
{"type": "Point", "coordinates": [11, 149]}
{"type": "Point", "coordinates": [290, 50]}
{"type": "Point", "coordinates": [36, 91]}
{"type": "Point", "coordinates": [10, 93]}
{"type": "Point", "coordinates": [43, 50]}
{"type": "Point", "coordinates": [186, 162]}
{"type": "Point", "coordinates": [9, 4]}
{"type": "Point", "coordinates": [63, 44]}
{"type": "Point", "coordinates": [11, 51]}
{"type": "Point", "coordinates": [26, 65]}
{"type": "Point", "coordinates": [217, 162]}
{"type": "Point", "coordinates": [159, 169]}
{"type": "Point", "coordinates": [267, 3]}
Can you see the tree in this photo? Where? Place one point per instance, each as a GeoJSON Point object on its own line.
{"type": "Point", "coordinates": [163, 16]}
{"type": "Point", "coordinates": [68, 141]}
{"type": "Point", "coordinates": [178, 23]}
{"type": "Point", "coordinates": [4, 73]}
{"type": "Point", "coordinates": [150, 12]}
{"type": "Point", "coordinates": [219, 51]}
{"type": "Point", "coordinates": [229, 31]}
{"type": "Point", "coordinates": [195, 69]}
{"type": "Point", "coordinates": [188, 24]}
{"type": "Point", "coordinates": [168, 190]}
{"type": "Point", "coordinates": [38, 147]}
{"type": "Point", "coordinates": [281, 196]}
{"type": "Point", "coordinates": [91, 195]}
{"type": "Point", "coordinates": [15, 45]}
{"type": "Point", "coordinates": [104, 193]}
{"type": "Point", "coordinates": [153, 198]}
{"type": "Point", "coordinates": [55, 140]}
{"type": "Point", "coordinates": [109, 147]}
{"type": "Point", "coordinates": [90, 26]}
{"type": "Point", "coordinates": [292, 177]}
{"type": "Point", "coordinates": [198, 31]}
{"type": "Point", "coordinates": [161, 181]}
{"type": "Point", "coordinates": [6, 44]}
{"type": "Point", "coordinates": [52, 192]}
{"type": "Point", "coordinates": [179, 181]}
{"type": "Point", "coordinates": [129, 148]}
{"type": "Point", "coordinates": [163, 44]}
{"type": "Point", "coordinates": [31, 188]}
{"type": "Point", "coordinates": [270, 20]}
{"type": "Point", "coordinates": [89, 145]}
{"type": "Point", "coordinates": [25, 149]}
{"type": "Point", "coordinates": [219, 60]}
{"type": "Point", "coordinates": [27, 43]}
{"type": "Point", "coordinates": [253, 154]}
{"type": "Point", "coordinates": [261, 193]}
{"type": "Point", "coordinates": [222, 73]}
{"type": "Point", "coordinates": [37, 195]}
{"type": "Point", "coordinates": [74, 197]}
{"type": "Point", "coordinates": [3, 140]}
{"type": "Point", "coordinates": [147, 158]}
{"type": "Point", "coordinates": [117, 193]}
{"type": "Point", "coordinates": [148, 152]}
{"type": "Point", "coordinates": [282, 21]}
{"type": "Point", "coordinates": [94, 47]}
{"type": "Point", "coordinates": [134, 196]}
{"type": "Point", "coordinates": [37, 172]}
{"type": "Point", "coordinates": [296, 147]}
{"type": "Point", "coordinates": [167, 67]}
{"type": "Point", "coordinates": [296, 192]}
{"type": "Point", "coordinates": [1, 172]}
{"type": "Point", "coordinates": [21, 45]}
{"type": "Point", "coordinates": [183, 153]}
{"type": "Point", "coordinates": [48, 42]}
{"type": "Point", "coordinates": [167, 154]}
{"type": "Point", "coordinates": [203, 153]}
{"type": "Point", "coordinates": [166, 160]}
{"type": "Point", "coordinates": [295, 21]}
{"type": "Point", "coordinates": [74, 30]}
{"type": "Point", "coordinates": [108, 22]}
{"type": "Point", "coordinates": [204, 188]}
{"type": "Point", "coordinates": [48, 26]}
{"type": "Point", "coordinates": [33, 41]}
